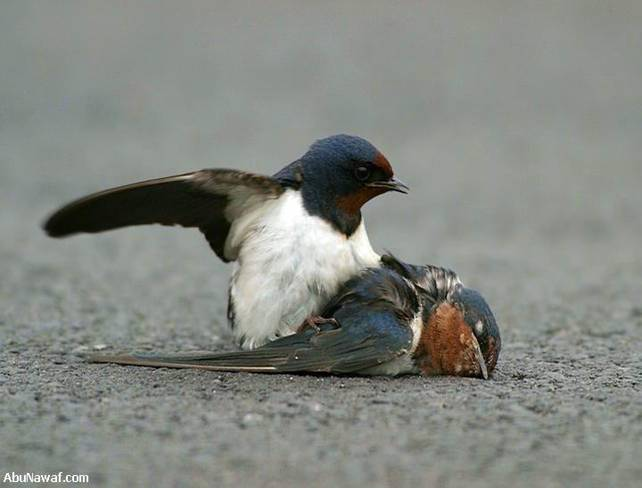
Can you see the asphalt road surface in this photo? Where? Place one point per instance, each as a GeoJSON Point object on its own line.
{"type": "Point", "coordinates": [517, 125]}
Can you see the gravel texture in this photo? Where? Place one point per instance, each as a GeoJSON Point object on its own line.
{"type": "Point", "coordinates": [517, 127]}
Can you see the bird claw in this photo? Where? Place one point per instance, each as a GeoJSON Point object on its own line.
{"type": "Point", "coordinates": [316, 322]}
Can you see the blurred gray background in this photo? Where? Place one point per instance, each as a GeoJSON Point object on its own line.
{"type": "Point", "coordinates": [518, 127]}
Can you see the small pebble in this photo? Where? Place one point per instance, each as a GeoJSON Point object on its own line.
{"type": "Point", "coordinates": [252, 418]}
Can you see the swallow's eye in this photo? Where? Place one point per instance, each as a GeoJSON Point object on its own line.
{"type": "Point", "coordinates": [362, 173]}
{"type": "Point", "coordinates": [479, 327]}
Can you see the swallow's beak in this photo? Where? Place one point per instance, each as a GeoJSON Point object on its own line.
{"type": "Point", "coordinates": [393, 184]}
{"type": "Point", "coordinates": [479, 357]}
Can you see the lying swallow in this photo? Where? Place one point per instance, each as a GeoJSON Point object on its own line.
{"type": "Point", "coordinates": [380, 323]}
{"type": "Point", "coordinates": [295, 236]}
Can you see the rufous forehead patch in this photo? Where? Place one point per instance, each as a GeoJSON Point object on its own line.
{"type": "Point", "coordinates": [382, 163]}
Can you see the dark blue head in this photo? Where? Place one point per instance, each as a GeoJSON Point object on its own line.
{"type": "Point", "coordinates": [349, 164]}
{"type": "Point", "coordinates": [338, 175]}
{"type": "Point", "coordinates": [478, 316]}
{"type": "Point", "coordinates": [340, 148]}
{"type": "Point", "coordinates": [460, 336]}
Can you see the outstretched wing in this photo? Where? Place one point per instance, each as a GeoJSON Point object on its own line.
{"type": "Point", "coordinates": [210, 199]}
{"type": "Point", "coordinates": [361, 341]}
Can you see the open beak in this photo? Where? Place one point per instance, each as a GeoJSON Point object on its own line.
{"type": "Point", "coordinates": [479, 357]}
{"type": "Point", "coordinates": [393, 184]}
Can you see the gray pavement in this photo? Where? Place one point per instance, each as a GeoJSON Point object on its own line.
{"type": "Point", "coordinates": [517, 126]}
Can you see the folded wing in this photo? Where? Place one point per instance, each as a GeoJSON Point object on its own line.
{"type": "Point", "coordinates": [361, 340]}
{"type": "Point", "coordinates": [210, 199]}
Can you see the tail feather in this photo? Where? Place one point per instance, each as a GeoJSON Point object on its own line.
{"type": "Point", "coordinates": [245, 361]}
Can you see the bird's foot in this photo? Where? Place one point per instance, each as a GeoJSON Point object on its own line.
{"type": "Point", "coordinates": [315, 323]}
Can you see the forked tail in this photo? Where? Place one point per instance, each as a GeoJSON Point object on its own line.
{"type": "Point", "coordinates": [244, 361]}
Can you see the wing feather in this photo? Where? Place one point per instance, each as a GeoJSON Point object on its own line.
{"type": "Point", "coordinates": [377, 338]}
{"type": "Point", "coordinates": [210, 199]}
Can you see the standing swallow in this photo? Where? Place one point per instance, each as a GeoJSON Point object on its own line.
{"type": "Point", "coordinates": [381, 322]}
{"type": "Point", "coordinates": [295, 236]}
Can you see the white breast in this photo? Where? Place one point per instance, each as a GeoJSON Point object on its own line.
{"type": "Point", "coordinates": [289, 264]}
